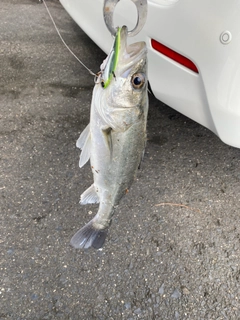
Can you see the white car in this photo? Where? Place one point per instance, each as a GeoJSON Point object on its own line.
{"type": "Point", "coordinates": [193, 53]}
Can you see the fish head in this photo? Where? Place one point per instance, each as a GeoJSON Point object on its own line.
{"type": "Point", "coordinates": [124, 83]}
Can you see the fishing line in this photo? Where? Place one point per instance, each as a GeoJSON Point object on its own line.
{"type": "Point", "coordinates": [60, 36]}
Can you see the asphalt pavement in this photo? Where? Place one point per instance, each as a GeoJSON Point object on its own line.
{"type": "Point", "coordinates": [174, 244]}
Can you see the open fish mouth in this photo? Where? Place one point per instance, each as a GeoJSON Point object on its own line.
{"type": "Point", "coordinates": [122, 56]}
{"type": "Point", "coordinates": [130, 54]}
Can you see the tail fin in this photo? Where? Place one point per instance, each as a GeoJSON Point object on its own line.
{"type": "Point", "coordinates": [89, 236]}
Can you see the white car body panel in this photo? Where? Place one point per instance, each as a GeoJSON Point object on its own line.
{"type": "Point", "coordinates": [193, 28]}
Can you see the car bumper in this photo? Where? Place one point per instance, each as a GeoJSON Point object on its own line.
{"type": "Point", "coordinates": [192, 29]}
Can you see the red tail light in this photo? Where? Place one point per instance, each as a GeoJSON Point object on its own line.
{"type": "Point", "coordinates": [174, 55]}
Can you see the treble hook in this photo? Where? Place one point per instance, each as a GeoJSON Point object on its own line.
{"type": "Point", "coordinates": [108, 9]}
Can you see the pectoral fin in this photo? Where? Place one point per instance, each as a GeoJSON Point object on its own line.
{"type": "Point", "coordinates": [108, 138]}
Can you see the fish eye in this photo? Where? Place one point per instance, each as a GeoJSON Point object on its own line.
{"type": "Point", "coordinates": [138, 80]}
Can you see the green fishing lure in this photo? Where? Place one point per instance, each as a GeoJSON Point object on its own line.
{"type": "Point", "coordinates": [109, 70]}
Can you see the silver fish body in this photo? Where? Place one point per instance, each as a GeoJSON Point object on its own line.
{"type": "Point", "coordinates": [115, 139]}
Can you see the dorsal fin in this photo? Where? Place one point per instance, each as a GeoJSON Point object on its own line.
{"type": "Point", "coordinates": [83, 136]}
{"type": "Point", "coordinates": [84, 143]}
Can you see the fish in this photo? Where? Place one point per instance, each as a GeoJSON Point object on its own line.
{"type": "Point", "coordinates": [115, 138]}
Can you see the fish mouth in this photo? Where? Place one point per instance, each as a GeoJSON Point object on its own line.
{"type": "Point", "coordinates": [123, 57]}
{"type": "Point", "coordinates": [130, 54]}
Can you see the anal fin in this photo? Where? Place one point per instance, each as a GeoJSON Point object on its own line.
{"type": "Point", "coordinates": [89, 196]}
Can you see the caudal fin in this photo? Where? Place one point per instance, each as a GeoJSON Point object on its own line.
{"type": "Point", "coordinates": [89, 236]}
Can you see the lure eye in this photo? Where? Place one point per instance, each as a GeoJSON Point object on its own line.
{"type": "Point", "coordinates": [138, 80]}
